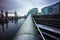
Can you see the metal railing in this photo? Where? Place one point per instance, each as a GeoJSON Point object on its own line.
{"type": "Point", "coordinates": [38, 28]}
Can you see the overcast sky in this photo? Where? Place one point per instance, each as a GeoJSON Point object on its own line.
{"type": "Point", "coordinates": [23, 6]}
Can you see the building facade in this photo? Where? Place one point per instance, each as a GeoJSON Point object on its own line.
{"type": "Point", "coordinates": [53, 9]}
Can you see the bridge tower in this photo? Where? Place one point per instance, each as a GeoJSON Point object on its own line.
{"type": "Point", "coordinates": [2, 14]}
{"type": "Point", "coordinates": [15, 14]}
{"type": "Point", "coordinates": [6, 14]}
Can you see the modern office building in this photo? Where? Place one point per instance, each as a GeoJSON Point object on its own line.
{"type": "Point", "coordinates": [53, 9]}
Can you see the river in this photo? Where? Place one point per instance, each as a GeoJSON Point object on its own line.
{"type": "Point", "coordinates": [9, 29]}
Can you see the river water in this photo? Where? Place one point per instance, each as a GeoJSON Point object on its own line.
{"type": "Point", "coordinates": [10, 28]}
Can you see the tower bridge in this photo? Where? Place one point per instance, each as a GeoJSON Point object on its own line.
{"type": "Point", "coordinates": [7, 13]}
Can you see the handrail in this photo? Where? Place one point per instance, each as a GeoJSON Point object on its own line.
{"type": "Point", "coordinates": [38, 29]}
